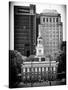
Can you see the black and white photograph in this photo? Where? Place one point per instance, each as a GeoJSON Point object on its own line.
{"type": "Point", "coordinates": [37, 41]}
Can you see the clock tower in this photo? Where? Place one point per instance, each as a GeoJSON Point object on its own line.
{"type": "Point", "coordinates": [39, 47]}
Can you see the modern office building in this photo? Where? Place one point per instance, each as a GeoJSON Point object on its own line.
{"type": "Point", "coordinates": [51, 31]}
{"type": "Point", "coordinates": [25, 29]}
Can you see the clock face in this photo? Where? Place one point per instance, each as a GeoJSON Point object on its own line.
{"type": "Point", "coordinates": [39, 51]}
{"type": "Point", "coordinates": [31, 11]}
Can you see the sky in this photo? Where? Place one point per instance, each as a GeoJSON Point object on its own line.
{"type": "Point", "coordinates": [42, 6]}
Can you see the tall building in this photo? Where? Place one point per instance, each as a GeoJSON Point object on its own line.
{"type": "Point", "coordinates": [51, 31]}
{"type": "Point", "coordinates": [25, 29]}
{"type": "Point", "coordinates": [37, 23]}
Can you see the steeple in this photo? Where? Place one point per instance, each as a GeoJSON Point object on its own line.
{"type": "Point", "coordinates": [39, 34]}
{"type": "Point", "coordinates": [39, 39]}
{"type": "Point", "coordinates": [39, 47]}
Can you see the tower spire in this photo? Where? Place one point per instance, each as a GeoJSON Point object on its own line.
{"type": "Point", "coordinates": [39, 47]}
{"type": "Point", "coordinates": [39, 33]}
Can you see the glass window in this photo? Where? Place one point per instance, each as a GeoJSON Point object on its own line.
{"type": "Point", "coordinates": [36, 69]}
{"type": "Point", "coordinates": [24, 77]}
{"type": "Point", "coordinates": [39, 42]}
{"type": "Point", "coordinates": [28, 76]}
{"type": "Point", "coordinates": [56, 19]}
{"type": "Point", "coordinates": [50, 20]}
{"type": "Point", "coordinates": [46, 19]}
{"type": "Point", "coordinates": [39, 69]}
{"type": "Point", "coordinates": [51, 68]}
{"type": "Point", "coordinates": [42, 69]}
{"type": "Point", "coordinates": [43, 19]}
{"type": "Point", "coordinates": [54, 68]}
{"type": "Point", "coordinates": [32, 69]}
{"type": "Point", "coordinates": [23, 69]}
{"type": "Point", "coordinates": [53, 19]}
{"type": "Point", "coordinates": [46, 68]}
{"type": "Point", "coordinates": [27, 69]}
{"type": "Point", "coordinates": [43, 59]}
{"type": "Point", "coordinates": [24, 27]}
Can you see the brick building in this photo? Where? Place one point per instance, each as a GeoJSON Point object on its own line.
{"type": "Point", "coordinates": [51, 31]}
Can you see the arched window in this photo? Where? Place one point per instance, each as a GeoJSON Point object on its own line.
{"type": "Point", "coordinates": [46, 19]}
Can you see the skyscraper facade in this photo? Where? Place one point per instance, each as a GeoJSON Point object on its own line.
{"type": "Point", "coordinates": [51, 31]}
{"type": "Point", "coordinates": [25, 29]}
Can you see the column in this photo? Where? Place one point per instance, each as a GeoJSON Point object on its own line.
{"type": "Point", "coordinates": [54, 73]}
{"type": "Point", "coordinates": [24, 74]}
{"type": "Point", "coordinates": [28, 73]}
{"type": "Point", "coordinates": [40, 59]}
{"type": "Point", "coordinates": [46, 73]}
